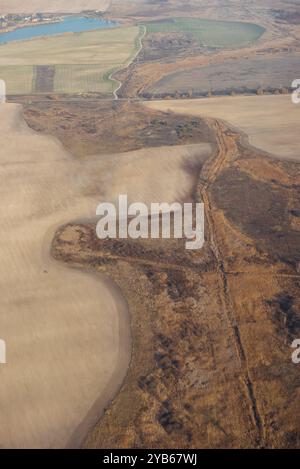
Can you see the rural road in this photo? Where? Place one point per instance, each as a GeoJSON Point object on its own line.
{"type": "Point", "coordinates": [111, 76]}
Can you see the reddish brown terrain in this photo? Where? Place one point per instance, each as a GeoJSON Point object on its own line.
{"type": "Point", "coordinates": [212, 329]}
{"type": "Point", "coordinates": [211, 364]}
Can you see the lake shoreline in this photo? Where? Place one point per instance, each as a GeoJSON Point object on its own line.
{"type": "Point", "coordinates": [79, 21]}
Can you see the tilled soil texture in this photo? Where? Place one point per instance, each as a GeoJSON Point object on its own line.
{"type": "Point", "coordinates": [212, 329]}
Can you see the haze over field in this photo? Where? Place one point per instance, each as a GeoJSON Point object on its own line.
{"type": "Point", "coordinates": [142, 343]}
{"type": "Point", "coordinates": [108, 46]}
{"type": "Point", "coordinates": [259, 117]}
{"type": "Point", "coordinates": [67, 332]}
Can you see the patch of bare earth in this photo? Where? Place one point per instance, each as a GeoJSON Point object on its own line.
{"type": "Point", "coordinates": [50, 6]}
{"type": "Point", "coordinates": [211, 364]}
{"type": "Point", "coordinates": [85, 127]}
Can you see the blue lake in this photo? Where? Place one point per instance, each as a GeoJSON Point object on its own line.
{"type": "Point", "coordinates": [70, 24]}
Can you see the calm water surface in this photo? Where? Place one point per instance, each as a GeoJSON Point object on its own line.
{"type": "Point", "coordinates": [71, 24]}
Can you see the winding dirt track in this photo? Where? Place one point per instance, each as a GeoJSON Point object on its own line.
{"type": "Point", "coordinates": [132, 59]}
{"type": "Point", "coordinates": [227, 150]}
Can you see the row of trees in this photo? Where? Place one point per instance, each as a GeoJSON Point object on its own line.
{"type": "Point", "coordinates": [229, 92]}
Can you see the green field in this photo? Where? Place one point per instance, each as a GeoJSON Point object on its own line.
{"type": "Point", "coordinates": [69, 63]}
{"type": "Point", "coordinates": [220, 34]}
{"type": "Point", "coordinates": [81, 78]}
{"type": "Point", "coordinates": [18, 78]}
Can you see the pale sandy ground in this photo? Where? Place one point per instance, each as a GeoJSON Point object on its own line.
{"type": "Point", "coordinates": [270, 122]}
{"type": "Point", "coordinates": [67, 332]}
{"type": "Point", "coordinates": [50, 6]}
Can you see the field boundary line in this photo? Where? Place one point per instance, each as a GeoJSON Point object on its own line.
{"type": "Point", "coordinates": [131, 59]}
{"type": "Point", "coordinates": [227, 149]}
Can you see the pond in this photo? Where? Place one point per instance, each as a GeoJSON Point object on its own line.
{"type": "Point", "coordinates": [70, 24]}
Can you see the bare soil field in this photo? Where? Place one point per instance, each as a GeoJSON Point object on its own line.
{"type": "Point", "coordinates": [84, 127]}
{"type": "Point", "coordinates": [67, 336]}
{"type": "Point", "coordinates": [215, 9]}
{"type": "Point", "coordinates": [211, 366]}
{"type": "Point", "coordinates": [269, 123]}
{"type": "Point", "coordinates": [82, 61]}
{"type": "Point", "coordinates": [266, 72]}
{"type": "Point", "coordinates": [67, 332]}
{"type": "Point", "coordinates": [52, 6]}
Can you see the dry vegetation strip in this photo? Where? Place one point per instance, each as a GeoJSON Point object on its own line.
{"type": "Point", "coordinates": [18, 79]}
{"type": "Point", "coordinates": [211, 364]}
{"type": "Point", "coordinates": [67, 332]}
{"type": "Point", "coordinates": [271, 123]}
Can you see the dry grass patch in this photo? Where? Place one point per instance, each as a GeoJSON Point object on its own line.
{"type": "Point", "coordinates": [83, 61]}
{"type": "Point", "coordinates": [271, 123]}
